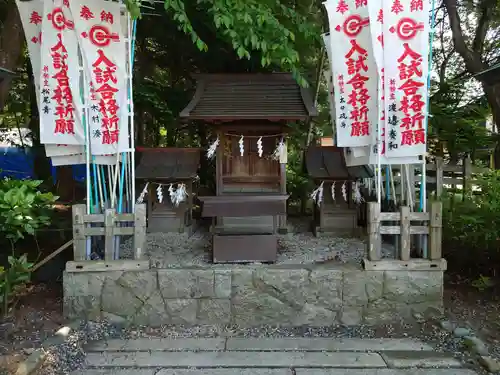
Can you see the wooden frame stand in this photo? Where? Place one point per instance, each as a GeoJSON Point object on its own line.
{"type": "Point", "coordinates": [432, 230]}
{"type": "Point", "coordinates": [85, 225]}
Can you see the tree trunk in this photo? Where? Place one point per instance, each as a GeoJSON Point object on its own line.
{"type": "Point", "coordinates": [11, 44]}
{"type": "Point", "coordinates": [472, 56]}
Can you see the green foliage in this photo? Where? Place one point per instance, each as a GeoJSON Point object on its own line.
{"type": "Point", "coordinates": [12, 279]}
{"type": "Point", "coordinates": [271, 28]}
{"type": "Point", "coordinates": [471, 227]}
{"type": "Point", "coordinates": [23, 208]}
{"type": "Point", "coordinates": [483, 283]}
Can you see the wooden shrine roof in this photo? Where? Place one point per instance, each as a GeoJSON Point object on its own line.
{"type": "Point", "coordinates": [328, 163]}
{"type": "Point", "coordinates": [229, 97]}
{"type": "Point", "coordinates": [167, 164]}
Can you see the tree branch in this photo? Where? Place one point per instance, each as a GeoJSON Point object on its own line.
{"type": "Point", "coordinates": [471, 58]}
{"type": "Point", "coordinates": [482, 27]}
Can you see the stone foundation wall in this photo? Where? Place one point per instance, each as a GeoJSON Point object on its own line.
{"type": "Point", "coordinates": [253, 295]}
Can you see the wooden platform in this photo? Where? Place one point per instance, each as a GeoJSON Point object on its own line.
{"type": "Point", "coordinates": [244, 241]}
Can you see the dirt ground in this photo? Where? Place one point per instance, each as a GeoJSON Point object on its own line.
{"type": "Point", "coordinates": [37, 315]}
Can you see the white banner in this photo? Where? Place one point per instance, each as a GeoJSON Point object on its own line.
{"type": "Point", "coordinates": [31, 13]}
{"type": "Point", "coordinates": [60, 101]}
{"type": "Point", "coordinates": [329, 82]}
{"type": "Point", "coordinates": [406, 31]}
{"type": "Point", "coordinates": [354, 72]}
{"type": "Point", "coordinates": [100, 34]}
{"type": "Point", "coordinates": [63, 150]}
{"type": "Point", "coordinates": [80, 159]}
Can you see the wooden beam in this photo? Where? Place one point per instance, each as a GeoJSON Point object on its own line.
{"type": "Point", "coordinates": [436, 231]}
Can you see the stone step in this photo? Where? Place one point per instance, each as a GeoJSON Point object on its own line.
{"type": "Point", "coordinates": [258, 371]}
{"type": "Point", "coordinates": [408, 359]}
{"type": "Point", "coordinates": [159, 344]}
{"type": "Point", "coordinates": [260, 344]}
{"type": "Point", "coordinates": [324, 344]}
{"type": "Point", "coordinates": [235, 359]}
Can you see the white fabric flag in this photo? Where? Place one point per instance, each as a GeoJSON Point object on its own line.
{"type": "Point", "coordinates": [31, 13]}
{"type": "Point", "coordinates": [101, 38]}
{"type": "Point", "coordinates": [406, 31]}
{"type": "Point", "coordinates": [63, 150]}
{"type": "Point", "coordinates": [60, 101]}
{"type": "Point", "coordinates": [376, 29]}
{"type": "Point", "coordinates": [329, 80]}
{"type": "Point", "coordinates": [59, 160]}
{"type": "Point", "coordinates": [354, 72]}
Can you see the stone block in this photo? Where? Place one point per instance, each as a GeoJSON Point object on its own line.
{"type": "Point", "coordinates": [119, 300]}
{"type": "Point", "coordinates": [214, 311]}
{"type": "Point", "coordinates": [325, 288]}
{"type": "Point", "coordinates": [351, 315]}
{"type": "Point", "coordinates": [158, 345]}
{"type": "Point", "coordinates": [222, 284]}
{"type": "Point", "coordinates": [420, 359]}
{"type": "Point", "coordinates": [288, 285]}
{"type": "Point", "coordinates": [315, 316]}
{"type": "Point", "coordinates": [385, 371]}
{"type": "Point", "coordinates": [80, 307]}
{"type": "Point", "coordinates": [252, 307]}
{"type": "Point", "coordinates": [75, 284]}
{"type": "Point", "coordinates": [360, 287]}
{"type": "Point", "coordinates": [384, 311]}
{"type": "Point", "coordinates": [413, 286]}
{"type": "Point", "coordinates": [181, 283]}
{"type": "Point", "coordinates": [152, 312]}
{"type": "Point", "coordinates": [323, 344]}
{"type": "Point", "coordinates": [141, 283]}
{"type": "Point", "coordinates": [226, 371]}
{"type": "Point", "coordinates": [182, 311]}
{"type": "Point", "coordinates": [236, 359]}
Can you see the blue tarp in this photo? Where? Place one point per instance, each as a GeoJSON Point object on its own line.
{"type": "Point", "coordinates": [18, 163]}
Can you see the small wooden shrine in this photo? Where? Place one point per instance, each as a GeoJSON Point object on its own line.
{"type": "Point", "coordinates": [165, 170]}
{"type": "Point", "coordinates": [248, 114]}
{"type": "Point", "coordinates": [336, 211]}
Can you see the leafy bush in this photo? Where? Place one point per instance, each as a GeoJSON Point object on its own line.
{"type": "Point", "coordinates": [23, 208]}
{"type": "Point", "coordinates": [471, 228]}
{"type": "Point", "coordinates": [15, 276]}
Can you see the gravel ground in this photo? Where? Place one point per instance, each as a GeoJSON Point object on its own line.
{"type": "Point", "coordinates": [68, 357]}
{"type": "Point", "coordinates": [171, 250]}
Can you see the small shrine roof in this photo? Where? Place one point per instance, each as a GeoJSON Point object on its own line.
{"type": "Point", "coordinates": [249, 96]}
{"type": "Point", "coordinates": [328, 163]}
{"type": "Point", "coordinates": [167, 163]}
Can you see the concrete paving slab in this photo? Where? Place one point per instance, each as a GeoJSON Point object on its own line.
{"type": "Point", "coordinates": [114, 371]}
{"type": "Point", "coordinates": [226, 371]}
{"type": "Point", "coordinates": [420, 359]}
{"type": "Point", "coordinates": [324, 344]}
{"type": "Point", "coordinates": [384, 372]}
{"type": "Point", "coordinates": [235, 359]}
{"type": "Point", "coordinates": [159, 344]}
